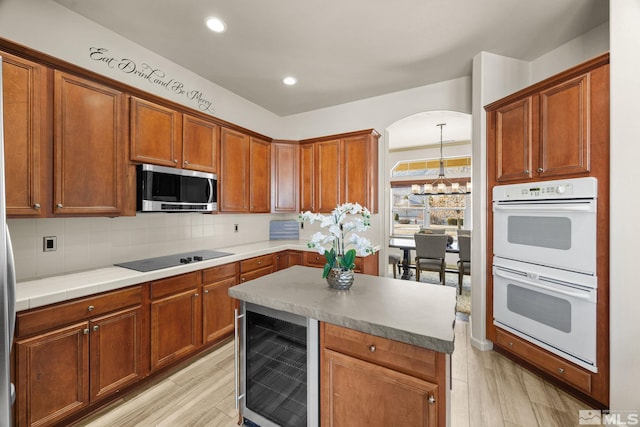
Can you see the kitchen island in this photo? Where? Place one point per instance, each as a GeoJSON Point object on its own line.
{"type": "Point", "coordinates": [385, 345]}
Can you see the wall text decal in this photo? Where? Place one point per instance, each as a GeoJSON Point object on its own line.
{"type": "Point", "coordinates": [153, 75]}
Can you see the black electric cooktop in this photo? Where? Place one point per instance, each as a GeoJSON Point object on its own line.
{"type": "Point", "coordinates": [151, 264]}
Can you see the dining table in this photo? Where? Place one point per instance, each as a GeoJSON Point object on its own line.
{"type": "Point", "coordinates": [407, 244]}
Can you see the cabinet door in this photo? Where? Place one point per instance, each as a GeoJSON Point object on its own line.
{"type": "Point", "coordinates": [115, 349]}
{"type": "Point", "coordinates": [295, 258]}
{"type": "Point", "coordinates": [217, 310]}
{"type": "Point", "coordinates": [350, 385]}
{"type": "Point", "coordinates": [514, 140]}
{"type": "Point", "coordinates": [307, 177]}
{"type": "Point", "coordinates": [329, 175]}
{"type": "Point", "coordinates": [564, 128]}
{"type": "Point", "coordinates": [200, 144]}
{"type": "Point", "coordinates": [89, 146]}
{"type": "Point", "coordinates": [234, 173]}
{"type": "Point", "coordinates": [259, 175]}
{"type": "Point", "coordinates": [52, 375]}
{"type": "Point", "coordinates": [156, 134]}
{"type": "Point", "coordinates": [23, 89]}
{"type": "Point", "coordinates": [175, 327]}
{"type": "Point", "coordinates": [360, 163]}
{"type": "Point", "coordinates": [284, 177]}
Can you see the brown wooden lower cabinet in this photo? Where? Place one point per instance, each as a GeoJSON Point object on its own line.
{"type": "Point", "coordinates": [217, 305]}
{"type": "Point", "coordinates": [255, 267]}
{"type": "Point", "coordinates": [368, 380]}
{"type": "Point", "coordinates": [176, 313]}
{"type": "Point", "coordinates": [61, 371]}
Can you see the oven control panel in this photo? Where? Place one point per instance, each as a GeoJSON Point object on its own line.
{"type": "Point", "coordinates": [558, 189]}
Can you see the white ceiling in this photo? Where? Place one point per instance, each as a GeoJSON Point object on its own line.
{"type": "Point", "coordinates": [422, 129]}
{"type": "Point", "coordinates": [340, 50]}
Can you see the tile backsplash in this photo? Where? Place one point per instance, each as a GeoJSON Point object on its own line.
{"type": "Point", "coordinates": [85, 243]}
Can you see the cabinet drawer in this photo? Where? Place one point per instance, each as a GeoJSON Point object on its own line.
{"type": "Point", "coordinates": [221, 272]}
{"type": "Point", "coordinates": [254, 274]}
{"type": "Point", "coordinates": [43, 319]}
{"type": "Point", "coordinates": [175, 284]}
{"type": "Point", "coordinates": [415, 361]}
{"type": "Point", "coordinates": [551, 364]}
{"type": "Point", "coordinates": [312, 259]}
{"type": "Point", "coordinates": [256, 263]}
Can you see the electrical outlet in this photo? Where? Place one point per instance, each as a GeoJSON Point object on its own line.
{"type": "Point", "coordinates": [49, 243]}
{"type": "Point", "coordinates": [235, 228]}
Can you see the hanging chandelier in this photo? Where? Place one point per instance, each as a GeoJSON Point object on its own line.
{"type": "Point", "coordinates": [441, 185]}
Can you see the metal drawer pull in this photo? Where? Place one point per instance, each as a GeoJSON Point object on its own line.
{"type": "Point", "coordinates": [206, 291]}
{"type": "Point", "coordinates": [540, 170]}
{"type": "Point", "coordinates": [59, 205]}
{"type": "Point", "coordinates": [526, 171]}
{"type": "Point", "coordinates": [372, 348]}
{"type": "Point", "coordinates": [196, 295]}
{"type": "Point", "coordinates": [90, 308]}
{"type": "Point", "coordinates": [432, 400]}
{"type": "Point", "coordinates": [96, 327]}
{"type": "Point", "coordinates": [36, 206]}
{"type": "Point", "coordinates": [561, 370]}
{"type": "Point", "coordinates": [85, 331]}
{"type": "Point", "coordinates": [510, 343]}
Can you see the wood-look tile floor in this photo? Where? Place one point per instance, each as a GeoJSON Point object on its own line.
{"type": "Point", "coordinates": [488, 390]}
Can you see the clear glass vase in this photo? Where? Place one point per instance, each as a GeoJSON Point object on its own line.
{"type": "Point", "coordinates": [340, 279]}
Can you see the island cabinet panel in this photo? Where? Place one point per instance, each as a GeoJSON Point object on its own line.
{"type": "Point", "coordinates": [156, 133]}
{"type": "Point", "coordinates": [176, 313]}
{"type": "Point", "coordinates": [368, 380]}
{"type": "Point", "coordinates": [200, 144]}
{"type": "Point", "coordinates": [89, 147]}
{"type": "Point", "coordinates": [284, 177]}
{"type": "Point", "coordinates": [217, 305]}
{"type": "Point", "coordinates": [24, 88]}
{"type": "Point", "coordinates": [71, 355]}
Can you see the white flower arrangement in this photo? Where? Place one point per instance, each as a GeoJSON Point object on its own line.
{"type": "Point", "coordinates": [340, 225]}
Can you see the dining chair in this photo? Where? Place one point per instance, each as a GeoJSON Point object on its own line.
{"type": "Point", "coordinates": [432, 231]}
{"type": "Point", "coordinates": [430, 254]}
{"type": "Point", "coordinates": [395, 260]}
{"type": "Point", "coordinates": [464, 260]}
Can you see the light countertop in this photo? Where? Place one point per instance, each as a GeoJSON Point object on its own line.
{"type": "Point", "coordinates": [49, 290]}
{"type": "Point", "coordinates": [420, 314]}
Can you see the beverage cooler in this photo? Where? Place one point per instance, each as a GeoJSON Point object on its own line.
{"type": "Point", "coordinates": [277, 371]}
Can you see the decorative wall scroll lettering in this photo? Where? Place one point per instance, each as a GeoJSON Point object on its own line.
{"type": "Point", "coordinates": [153, 75]}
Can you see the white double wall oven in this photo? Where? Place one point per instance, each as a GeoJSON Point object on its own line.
{"type": "Point", "coordinates": [545, 285]}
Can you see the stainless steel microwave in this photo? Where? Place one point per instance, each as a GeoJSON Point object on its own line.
{"type": "Point", "coordinates": [164, 189]}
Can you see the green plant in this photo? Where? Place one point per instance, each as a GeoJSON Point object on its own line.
{"type": "Point", "coordinates": [343, 223]}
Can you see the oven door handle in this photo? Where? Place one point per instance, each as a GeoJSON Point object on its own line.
{"type": "Point", "coordinates": [545, 208]}
{"type": "Point", "coordinates": [580, 295]}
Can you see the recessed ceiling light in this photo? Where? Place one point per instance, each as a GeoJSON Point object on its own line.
{"type": "Point", "coordinates": [216, 24]}
{"type": "Point", "coordinates": [289, 81]}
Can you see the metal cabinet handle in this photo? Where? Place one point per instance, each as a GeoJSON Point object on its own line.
{"type": "Point", "coordinates": [186, 162]}
{"type": "Point", "coordinates": [196, 295]}
{"type": "Point", "coordinates": [96, 327]}
{"type": "Point", "coordinates": [90, 308]}
{"type": "Point", "coordinates": [372, 348]}
{"type": "Point", "coordinates": [432, 400]}
{"type": "Point", "coordinates": [59, 205]}
{"type": "Point", "coordinates": [206, 291]}
{"type": "Point", "coordinates": [36, 206]}
{"type": "Point", "coordinates": [175, 160]}
{"type": "Point", "coordinates": [540, 170]}
{"type": "Point", "coordinates": [561, 370]}
{"type": "Point", "coordinates": [526, 171]}
{"type": "Point", "coordinates": [510, 343]}
{"type": "Point", "coordinates": [85, 331]}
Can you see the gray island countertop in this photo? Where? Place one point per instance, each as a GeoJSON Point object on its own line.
{"type": "Point", "coordinates": [420, 314]}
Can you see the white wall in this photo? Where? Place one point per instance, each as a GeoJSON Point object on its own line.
{"type": "Point", "coordinates": [625, 205]}
{"type": "Point", "coordinates": [48, 27]}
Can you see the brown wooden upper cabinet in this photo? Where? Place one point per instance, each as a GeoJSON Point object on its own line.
{"type": "Point", "coordinates": [547, 131]}
{"type": "Point", "coordinates": [284, 176]}
{"type": "Point", "coordinates": [339, 169]}
{"type": "Point", "coordinates": [24, 88]}
{"type": "Point", "coordinates": [245, 179]}
{"type": "Point", "coordinates": [89, 147]}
